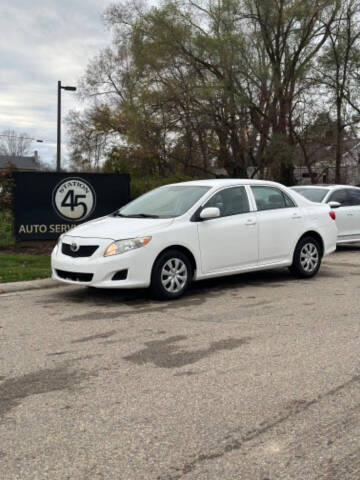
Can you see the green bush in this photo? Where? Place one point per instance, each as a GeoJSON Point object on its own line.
{"type": "Point", "coordinates": [6, 228]}
{"type": "Point", "coordinates": [6, 189]}
{"type": "Point", "coordinates": [142, 168]}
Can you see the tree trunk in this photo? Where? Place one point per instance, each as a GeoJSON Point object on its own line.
{"type": "Point", "coordinates": [339, 143]}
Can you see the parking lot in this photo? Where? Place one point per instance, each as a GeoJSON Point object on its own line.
{"type": "Point", "coordinates": [253, 377]}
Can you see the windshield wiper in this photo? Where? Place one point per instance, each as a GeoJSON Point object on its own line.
{"type": "Point", "coordinates": [135, 215]}
{"type": "Point", "coordinates": [142, 215]}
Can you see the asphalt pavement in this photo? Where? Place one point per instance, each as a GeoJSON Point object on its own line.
{"type": "Point", "coordinates": [253, 377]}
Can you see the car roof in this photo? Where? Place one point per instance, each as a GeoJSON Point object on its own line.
{"type": "Point", "coordinates": [223, 182]}
{"type": "Point", "coordinates": [323, 185]}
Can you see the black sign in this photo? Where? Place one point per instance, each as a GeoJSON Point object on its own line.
{"type": "Point", "coordinates": [49, 204]}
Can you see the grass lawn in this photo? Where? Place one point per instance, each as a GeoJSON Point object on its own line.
{"type": "Point", "coordinates": [25, 261]}
{"type": "Point", "coordinates": [15, 267]}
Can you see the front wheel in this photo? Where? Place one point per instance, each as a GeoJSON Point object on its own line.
{"type": "Point", "coordinates": [171, 276]}
{"type": "Point", "coordinates": [307, 258]}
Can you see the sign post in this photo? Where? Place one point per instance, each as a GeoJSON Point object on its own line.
{"type": "Point", "coordinates": [47, 204]}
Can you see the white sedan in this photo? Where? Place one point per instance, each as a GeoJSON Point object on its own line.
{"type": "Point", "coordinates": [345, 200]}
{"type": "Point", "coordinates": [195, 230]}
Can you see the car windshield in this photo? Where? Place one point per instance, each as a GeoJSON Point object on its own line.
{"type": "Point", "coordinates": [164, 202]}
{"type": "Point", "coordinates": [313, 194]}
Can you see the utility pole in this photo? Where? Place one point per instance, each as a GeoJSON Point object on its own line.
{"type": "Point", "coordinates": [58, 148]}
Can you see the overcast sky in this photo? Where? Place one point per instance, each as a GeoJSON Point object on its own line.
{"type": "Point", "coordinates": [41, 42]}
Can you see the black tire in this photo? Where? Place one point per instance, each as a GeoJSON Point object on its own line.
{"type": "Point", "coordinates": [307, 258]}
{"type": "Point", "coordinates": [159, 275]}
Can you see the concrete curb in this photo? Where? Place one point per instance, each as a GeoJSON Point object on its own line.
{"type": "Point", "coordinates": [29, 285]}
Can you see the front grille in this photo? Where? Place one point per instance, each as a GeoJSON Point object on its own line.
{"type": "Point", "coordinates": [84, 250]}
{"type": "Point", "coordinates": [75, 276]}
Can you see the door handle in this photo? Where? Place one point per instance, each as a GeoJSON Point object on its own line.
{"type": "Point", "coordinates": [296, 216]}
{"type": "Point", "coordinates": [251, 221]}
{"type": "Point", "coordinates": [350, 214]}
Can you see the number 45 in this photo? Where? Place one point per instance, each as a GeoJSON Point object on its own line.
{"type": "Point", "coordinates": [72, 201]}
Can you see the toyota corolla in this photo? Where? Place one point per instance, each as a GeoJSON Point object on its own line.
{"type": "Point", "coordinates": [183, 232]}
{"type": "Point", "coordinates": [345, 199]}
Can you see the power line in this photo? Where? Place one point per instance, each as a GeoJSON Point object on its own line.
{"type": "Point", "coordinates": [22, 138]}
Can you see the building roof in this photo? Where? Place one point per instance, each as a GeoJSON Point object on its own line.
{"type": "Point", "coordinates": [21, 163]}
{"type": "Point", "coordinates": [324, 151]}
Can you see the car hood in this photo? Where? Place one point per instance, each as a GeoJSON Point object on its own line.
{"type": "Point", "coordinates": [118, 228]}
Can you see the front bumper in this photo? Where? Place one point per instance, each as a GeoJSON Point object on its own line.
{"type": "Point", "coordinates": [98, 271]}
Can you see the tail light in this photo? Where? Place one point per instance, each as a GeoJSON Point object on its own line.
{"type": "Point", "coordinates": [332, 214]}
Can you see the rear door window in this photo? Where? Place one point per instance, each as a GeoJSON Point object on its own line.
{"type": "Point", "coordinates": [271, 198]}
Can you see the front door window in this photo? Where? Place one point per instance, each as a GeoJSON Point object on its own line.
{"type": "Point", "coordinates": [230, 201]}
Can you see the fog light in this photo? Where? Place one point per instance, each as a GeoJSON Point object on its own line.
{"type": "Point", "coordinates": [120, 275]}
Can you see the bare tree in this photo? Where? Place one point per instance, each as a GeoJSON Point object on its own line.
{"type": "Point", "coordinates": [88, 142]}
{"type": "Point", "coordinates": [14, 144]}
{"type": "Point", "coordinates": [336, 72]}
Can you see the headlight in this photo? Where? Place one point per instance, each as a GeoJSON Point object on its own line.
{"type": "Point", "coordinates": [122, 246]}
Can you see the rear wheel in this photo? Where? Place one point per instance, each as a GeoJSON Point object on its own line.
{"type": "Point", "coordinates": [307, 258]}
{"type": "Point", "coordinates": [171, 276]}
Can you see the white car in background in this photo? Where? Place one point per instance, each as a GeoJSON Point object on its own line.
{"type": "Point", "coordinates": [195, 230]}
{"type": "Point", "coordinates": [345, 200]}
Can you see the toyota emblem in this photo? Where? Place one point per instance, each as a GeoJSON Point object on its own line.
{"type": "Point", "coordinates": [74, 247]}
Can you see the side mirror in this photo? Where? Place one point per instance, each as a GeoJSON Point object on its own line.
{"type": "Point", "coordinates": [334, 204]}
{"type": "Point", "coordinates": [209, 212]}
